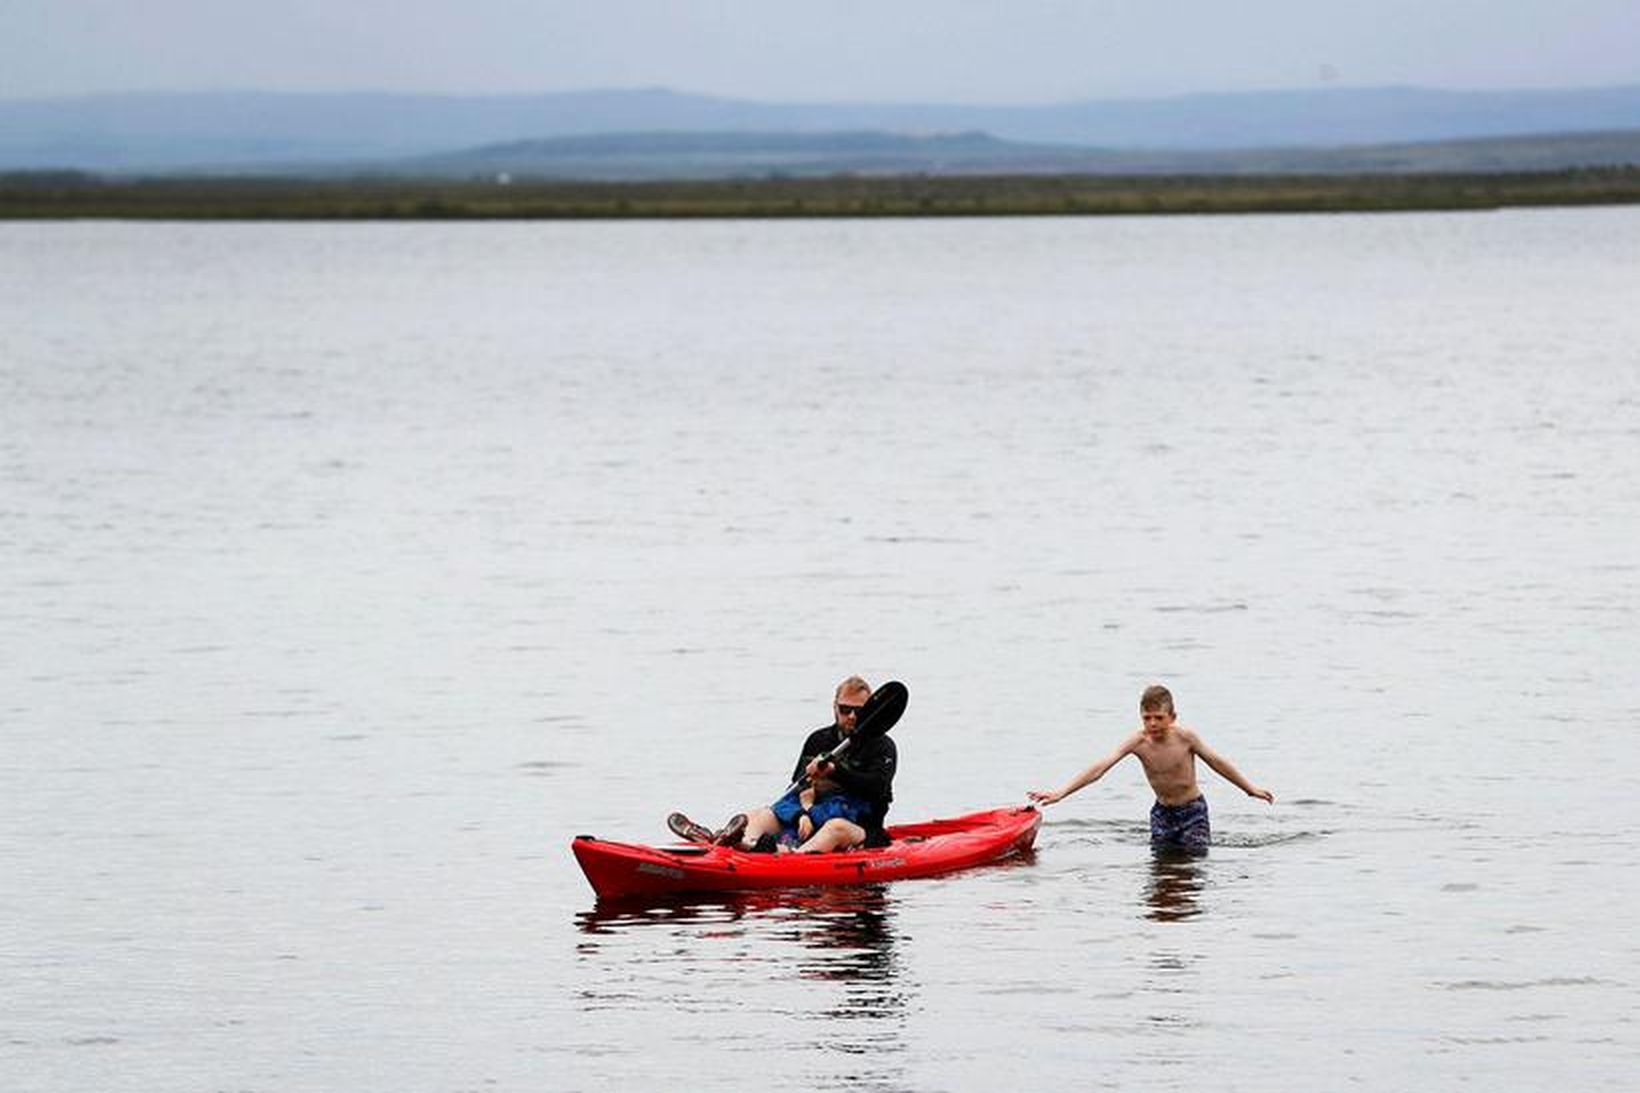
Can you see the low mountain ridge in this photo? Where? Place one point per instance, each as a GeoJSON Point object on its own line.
{"type": "Point", "coordinates": [640, 156]}
{"type": "Point", "coordinates": [226, 131]}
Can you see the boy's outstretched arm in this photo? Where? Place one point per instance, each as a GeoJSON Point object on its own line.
{"type": "Point", "coordinates": [1087, 777]}
{"type": "Point", "coordinates": [1227, 770]}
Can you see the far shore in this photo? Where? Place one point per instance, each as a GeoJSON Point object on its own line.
{"type": "Point", "coordinates": [70, 196]}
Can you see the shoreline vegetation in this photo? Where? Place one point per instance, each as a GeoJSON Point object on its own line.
{"type": "Point", "coordinates": [47, 195]}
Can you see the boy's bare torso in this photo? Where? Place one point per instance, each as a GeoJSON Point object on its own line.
{"type": "Point", "coordinates": [1169, 759]}
{"type": "Point", "coordinates": [1168, 752]}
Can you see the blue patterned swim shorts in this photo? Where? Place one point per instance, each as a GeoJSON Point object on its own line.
{"type": "Point", "coordinates": [1180, 825]}
{"type": "Point", "coordinates": [790, 807]}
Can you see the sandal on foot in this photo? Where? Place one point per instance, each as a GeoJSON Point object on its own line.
{"type": "Point", "coordinates": [730, 833]}
{"type": "Point", "coordinates": [685, 828]}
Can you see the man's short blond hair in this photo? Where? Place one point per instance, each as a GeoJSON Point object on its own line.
{"type": "Point", "coordinates": [1156, 697]}
{"type": "Point", "coordinates": [850, 685]}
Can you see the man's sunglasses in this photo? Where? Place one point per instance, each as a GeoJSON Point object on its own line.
{"type": "Point", "coordinates": [843, 709]}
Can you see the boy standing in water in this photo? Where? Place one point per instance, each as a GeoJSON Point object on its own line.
{"type": "Point", "coordinates": [1167, 751]}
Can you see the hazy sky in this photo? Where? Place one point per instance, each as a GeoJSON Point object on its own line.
{"type": "Point", "coordinates": [905, 50]}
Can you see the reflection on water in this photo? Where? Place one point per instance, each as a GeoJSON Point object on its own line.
{"type": "Point", "coordinates": [844, 938]}
{"type": "Point", "coordinates": [1176, 882]}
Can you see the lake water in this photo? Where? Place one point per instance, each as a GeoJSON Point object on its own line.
{"type": "Point", "coordinates": [351, 570]}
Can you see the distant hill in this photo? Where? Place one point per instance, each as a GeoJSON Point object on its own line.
{"type": "Point", "coordinates": [633, 156]}
{"type": "Point", "coordinates": [646, 156]}
{"type": "Point", "coordinates": [1538, 152]}
{"type": "Point", "coordinates": [235, 131]}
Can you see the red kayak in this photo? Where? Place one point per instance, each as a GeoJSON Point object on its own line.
{"type": "Point", "coordinates": [915, 850]}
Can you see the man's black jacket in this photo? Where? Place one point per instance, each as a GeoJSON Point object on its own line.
{"type": "Point", "coordinates": [865, 770]}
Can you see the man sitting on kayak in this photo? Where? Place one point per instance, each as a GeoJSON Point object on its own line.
{"type": "Point", "coordinates": [842, 807]}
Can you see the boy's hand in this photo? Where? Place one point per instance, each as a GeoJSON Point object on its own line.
{"type": "Point", "coordinates": [1262, 794]}
{"type": "Point", "coordinates": [1045, 797]}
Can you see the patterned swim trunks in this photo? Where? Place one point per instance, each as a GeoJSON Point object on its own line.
{"type": "Point", "coordinates": [790, 807]}
{"type": "Point", "coordinates": [1180, 825]}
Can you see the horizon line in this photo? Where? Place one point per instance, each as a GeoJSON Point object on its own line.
{"type": "Point", "coordinates": [1327, 88]}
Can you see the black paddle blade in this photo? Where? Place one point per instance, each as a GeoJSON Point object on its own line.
{"type": "Point", "coordinates": [883, 710]}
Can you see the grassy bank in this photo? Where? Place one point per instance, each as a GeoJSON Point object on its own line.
{"type": "Point", "coordinates": [70, 196]}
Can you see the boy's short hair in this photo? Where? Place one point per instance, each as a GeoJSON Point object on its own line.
{"type": "Point", "coordinates": [1156, 697]}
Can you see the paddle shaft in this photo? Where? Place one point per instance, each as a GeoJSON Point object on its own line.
{"type": "Point", "coordinates": [827, 756]}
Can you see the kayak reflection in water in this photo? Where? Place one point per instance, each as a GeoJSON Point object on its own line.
{"type": "Point", "coordinates": [844, 936]}
{"type": "Point", "coordinates": [841, 806]}
{"type": "Point", "coordinates": [1167, 751]}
